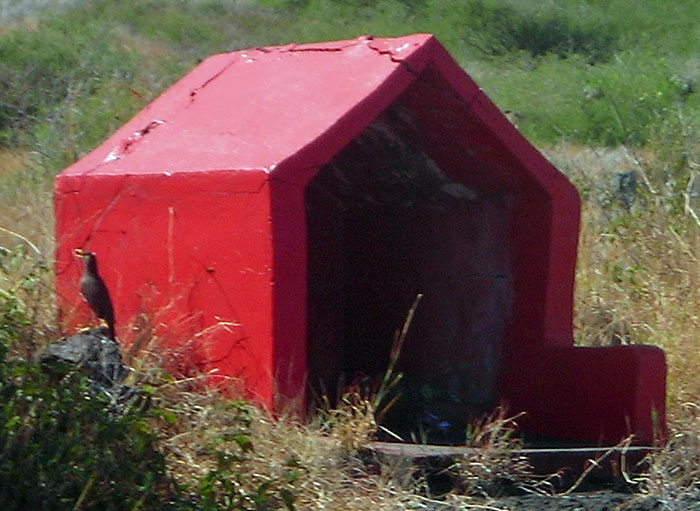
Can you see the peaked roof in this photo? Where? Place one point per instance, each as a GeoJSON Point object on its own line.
{"type": "Point", "coordinates": [293, 107]}
{"type": "Point", "coordinates": [252, 109]}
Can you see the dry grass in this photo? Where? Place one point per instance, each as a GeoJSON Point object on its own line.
{"type": "Point", "coordinates": [325, 463]}
{"type": "Point", "coordinates": [637, 282]}
{"type": "Point", "coordinates": [674, 471]}
{"type": "Point", "coordinates": [638, 271]}
{"type": "Point", "coordinates": [26, 260]}
{"type": "Point", "coordinates": [314, 462]}
{"type": "Point", "coordinates": [494, 469]}
{"type": "Point", "coordinates": [12, 160]}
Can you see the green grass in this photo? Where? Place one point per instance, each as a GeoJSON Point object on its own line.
{"type": "Point", "coordinates": [585, 79]}
{"type": "Point", "coordinates": [596, 73]}
{"type": "Point", "coordinates": [79, 74]}
{"type": "Point", "coordinates": [601, 73]}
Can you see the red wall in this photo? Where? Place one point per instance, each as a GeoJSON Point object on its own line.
{"type": "Point", "coordinates": [192, 254]}
{"type": "Point", "coordinates": [197, 210]}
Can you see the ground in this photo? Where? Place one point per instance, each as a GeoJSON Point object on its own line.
{"type": "Point", "coordinates": [598, 501]}
{"type": "Point", "coordinates": [594, 501]}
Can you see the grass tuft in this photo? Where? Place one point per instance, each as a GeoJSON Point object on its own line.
{"type": "Point", "coordinates": [609, 89]}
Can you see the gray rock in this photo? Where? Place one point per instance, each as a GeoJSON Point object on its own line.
{"type": "Point", "coordinates": [99, 357]}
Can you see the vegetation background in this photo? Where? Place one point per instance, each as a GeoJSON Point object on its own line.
{"type": "Point", "coordinates": [607, 89]}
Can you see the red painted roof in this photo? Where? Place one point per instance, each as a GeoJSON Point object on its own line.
{"type": "Point", "coordinates": [287, 110]}
{"type": "Point", "coordinates": [253, 109]}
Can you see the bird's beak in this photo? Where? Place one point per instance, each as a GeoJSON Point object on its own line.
{"type": "Point", "coordinates": [78, 252]}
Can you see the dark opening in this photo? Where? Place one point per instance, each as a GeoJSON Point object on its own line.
{"type": "Point", "coordinates": [384, 224]}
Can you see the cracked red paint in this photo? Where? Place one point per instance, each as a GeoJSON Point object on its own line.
{"type": "Point", "coordinates": [126, 145]}
{"type": "Point", "coordinates": [197, 210]}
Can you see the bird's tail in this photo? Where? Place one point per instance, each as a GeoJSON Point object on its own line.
{"type": "Point", "coordinates": [110, 329]}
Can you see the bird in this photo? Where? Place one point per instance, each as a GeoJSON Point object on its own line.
{"type": "Point", "coordinates": [94, 290]}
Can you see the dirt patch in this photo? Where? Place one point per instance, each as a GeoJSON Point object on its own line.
{"type": "Point", "coordinates": [12, 160]}
{"type": "Point", "coordinates": [582, 502]}
{"type": "Point", "coordinates": [596, 501]}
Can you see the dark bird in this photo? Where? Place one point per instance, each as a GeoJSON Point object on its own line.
{"type": "Point", "coordinates": [94, 290]}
